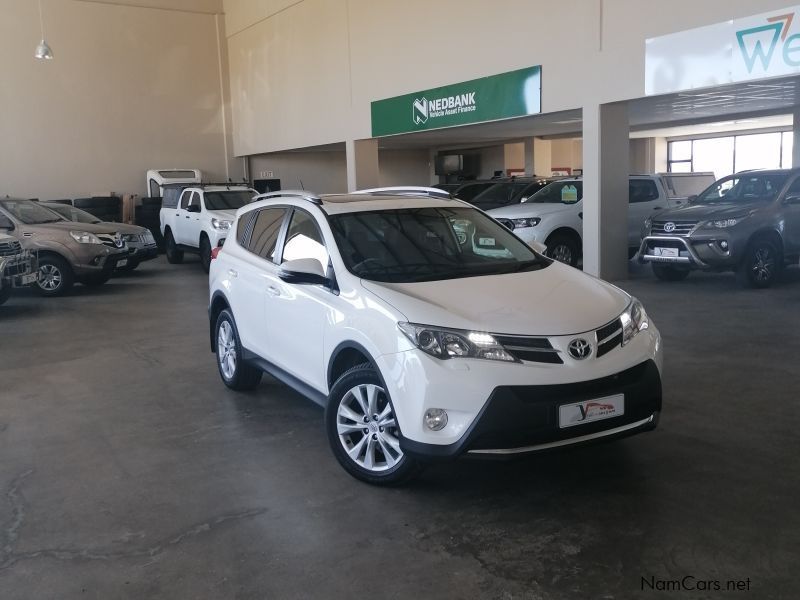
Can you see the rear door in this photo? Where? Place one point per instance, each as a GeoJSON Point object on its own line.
{"type": "Point", "coordinates": [790, 208]}
{"type": "Point", "coordinates": [644, 201]}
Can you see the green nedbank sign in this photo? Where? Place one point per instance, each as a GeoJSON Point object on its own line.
{"type": "Point", "coordinates": [513, 94]}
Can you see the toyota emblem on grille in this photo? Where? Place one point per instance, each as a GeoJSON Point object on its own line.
{"type": "Point", "coordinates": [118, 242]}
{"type": "Point", "coordinates": [579, 349]}
{"type": "Point", "coordinates": [669, 227]}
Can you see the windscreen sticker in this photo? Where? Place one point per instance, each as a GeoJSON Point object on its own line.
{"type": "Point", "coordinates": [486, 241]}
{"type": "Point", "coordinates": [569, 194]}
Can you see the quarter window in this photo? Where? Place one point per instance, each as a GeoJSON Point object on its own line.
{"type": "Point", "coordinates": [304, 240]}
{"type": "Point", "coordinates": [264, 238]}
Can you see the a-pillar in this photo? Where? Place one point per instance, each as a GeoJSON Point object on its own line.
{"type": "Point", "coordinates": [362, 164]}
{"type": "Point", "coordinates": [606, 150]}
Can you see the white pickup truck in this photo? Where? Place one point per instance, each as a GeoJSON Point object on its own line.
{"type": "Point", "coordinates": [553, 216]}
{"type": "Point", "coordinates": [198, 219]}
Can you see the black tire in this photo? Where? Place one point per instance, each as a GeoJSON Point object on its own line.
{"type": "Point", "coordinates": [761, 264]}
{"type": "Point", "coordinates": [174, 256]}
{"type": "Point", "coordinates": [5, 294]}
{"type": "Point", "coordinates": [242, 376]}
{"type": "Point", "coordinates": [670, 273]}
{"type": "Point", "coordinates": [563, 248]}
{"type": "Point", "coordinates": [404, 469]}
{"type": "Point", "coordinates": [55, 276]}
{"type": "Point", "coordinates": [205, 253]}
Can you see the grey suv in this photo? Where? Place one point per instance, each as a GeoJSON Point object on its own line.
{"type": "Point", "coordinates": [748, 222]}
{"type": "Point", "coordinates": [68, 252]}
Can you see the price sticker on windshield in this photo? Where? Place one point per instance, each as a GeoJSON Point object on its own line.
{"type": "Point", "coordinates": [486, 241]}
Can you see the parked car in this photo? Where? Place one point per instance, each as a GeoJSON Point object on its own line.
{"type": "Point", "coordinates": [421, 343]}
{"type": "Point", "coordinates": [198, 220]}
{"type": "Point", "coordinates": [68, 252]}
{"type": "Point", "coordinates": [18, 267]}
{"type": "Point", "coordinates": [554, 215]}
{"type": "Point", "coordinates": [508, 192]}
{"type": "Point", "coordinates": [748, 223]}
{"type": "Point", "coordinates": [467, 190]}
{"type": "Point", "coordinates": [141, 243]}
{"type": "Point", "coordinates": [159, 179]}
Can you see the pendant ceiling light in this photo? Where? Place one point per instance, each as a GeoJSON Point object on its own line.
{"type": "Point", "coordinates": [43, 50]}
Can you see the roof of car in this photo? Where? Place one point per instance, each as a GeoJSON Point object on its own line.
{"type": "Point", "coordinates": [362, 202]}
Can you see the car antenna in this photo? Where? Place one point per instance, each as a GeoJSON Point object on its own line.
{"type": "Point", "coordinates": [301, 184]}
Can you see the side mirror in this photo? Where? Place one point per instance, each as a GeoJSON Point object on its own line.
{"type": "Point", "coordinates": [6, 223]}
{"type": "Point", "coordinates": [303, 271]}
{"type": "Point", "coordinates": [193, 208]}
{"type": "Point", "coordinates": [524, 199]}
{"type": "Point", "coordinates": [692, 199]}
{"type": "Point", "coordinates": [792, 199]}
{"type": "Point", "coordinates": [538, 247]}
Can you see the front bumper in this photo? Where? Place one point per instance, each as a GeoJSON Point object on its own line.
{"type": "Point", "coordinates": [97, 258]}
{"type": "Point", "coordinates": [19, 270]}
{"type": "Point", "coordinates": [141, 252]}
{"type": "Point", "coordinates": [521, 419]}
{"type": "Point", "coordinates": [483, 396]}
{"type": "Point", "coordinates": [715, 249]}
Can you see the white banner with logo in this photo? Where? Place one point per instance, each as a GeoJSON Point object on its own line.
{"type": "Point", "coordinates": [757, 47]}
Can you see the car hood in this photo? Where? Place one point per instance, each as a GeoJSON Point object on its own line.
{"type": "Point", "coordinates": [557, 300]}
{"type": "Point", "coordinates": [227, 215]}
{"type": "Point", "coordinates": [529, 209]}
{"type": "Point", "coordinates": [72, 226]}
{"type": "Point", "coordinates": [125, 228]}
{"type": "Point", "coordinates": [700, 212]}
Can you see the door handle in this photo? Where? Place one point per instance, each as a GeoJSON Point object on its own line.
{"type": "Point", "coordinates": [657, 207]}
{"type": "Point", "coordinates": [273, 290]}
{"type": "Point", "coordinates": [233, 273]}
{"type": "Point", "coordinates": [188, 217]}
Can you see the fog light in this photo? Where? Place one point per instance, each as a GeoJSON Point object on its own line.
{"type": "Point", "coordinates": [723, 244]}
{"type": "Point", "coordinates": [436, 419]}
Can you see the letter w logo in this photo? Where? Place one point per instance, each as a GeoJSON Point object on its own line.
{"type": "Point", "coordinates": [758, 51]}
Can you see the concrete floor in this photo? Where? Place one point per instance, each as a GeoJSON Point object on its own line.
{"type": "Point", "coordinates": [127, 470]}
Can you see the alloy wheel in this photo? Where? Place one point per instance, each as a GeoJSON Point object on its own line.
{"type": "Point", "coordinates": [226, 350]}
{"type": "Point", "coordinates": [50, 278]}
{"type": "Point", "coordinates": [764, 264]}
{"type": "Point", "coordinates": [562, 253]}
{"type": "Point", "coordinates": [367, 428]}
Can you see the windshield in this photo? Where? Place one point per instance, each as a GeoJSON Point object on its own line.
{"type": "Point", "coordinates": [29, 212]}
{"type": "Point", "coordinates": [230, 200]}
{"type": "Point", "coordinates": [428, 244]}
{"type": "Point", "coordinates": [500, 193]}
{"type": "Point", "coordinates": [559, 192]}
{"type": "Point", "coordinates": [744, 188]}
{"type": "Point", "coordinates": [73, 214]}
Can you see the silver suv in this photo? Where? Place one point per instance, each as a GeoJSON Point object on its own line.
{"type": "Point", "coordinates": [68, 252]}
{"type": "Point", "coordinates": [748, 222]}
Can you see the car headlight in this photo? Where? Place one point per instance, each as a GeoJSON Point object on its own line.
{"type": "Point", "coordinates": [634, 320]}
{"type": "Point", "coordinates": [220, 224]}
{"type": "Point", "coordinates": [455, 343]}
{"type": "Point", "coordinates": [526, 222]}
{"type": "Point", "coordinates": [84, 237]}
{"type": "Point", "coordinates": [723, 223]}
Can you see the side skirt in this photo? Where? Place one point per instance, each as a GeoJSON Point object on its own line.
{"type": "Point", "coordinates": [286, 378]}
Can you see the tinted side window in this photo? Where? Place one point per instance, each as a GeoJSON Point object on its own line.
{"type": "Point", "coordinates": [242, 225]}
{"type": "Point", "coordinates": [642, 190]}
{"type": "Point", "coordinates": [185, 198]}
{"type": "Point", "coordinates": [304, 240]}
{"type": "Point", "coordinates": [794, 188]}
{"type": "Point", "coordinates": [265, 232]}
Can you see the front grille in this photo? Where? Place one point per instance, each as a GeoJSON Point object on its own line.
{"type": "Point", "coordinates": [681, 228]}
{"type": "Point", "coordinates": [609, 337]}
{"type": "Point", "coordinates": [114, 240]}
{"type": "Point", "coordinates": [10, 248]}
{"type": "Point", "coordinates": [530, 349]}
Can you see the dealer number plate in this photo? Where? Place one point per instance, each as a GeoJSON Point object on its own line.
{"type": "Point", "coordinates": [28, 279]}
{"type": "Point", "coordinates": [587, 411]}
{"type": "Point", "coordinates": [669, 252]}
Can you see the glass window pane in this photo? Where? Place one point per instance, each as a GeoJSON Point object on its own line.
{"type": "Point", "coordinates": [759, 151]}
{"type": "Point", "coordinates": [265, 232]}
{"type": "Point", "coordinates": [303, 240]}
{"type": "Point", "coordinates": [680, 167]}
{"type": "Point", "coordinates": [714, 154]}
{"type": "Point", "coordinates": [786, 159]}
{"type": "Point", "coordinates": [680, 150]}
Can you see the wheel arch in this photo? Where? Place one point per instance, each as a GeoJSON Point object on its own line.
{"type": "Point", "coordinates": [345, 356]}
{"type": "Point", "coordinates": [767, 233]}
{"type": "Point", "coordinates": [568, 232]}
{"type": "Point", "coordinates": [219, 302]}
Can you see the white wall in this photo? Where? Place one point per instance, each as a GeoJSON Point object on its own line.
{"type": "Point", "coordinates": [566, 152]}
{"type": "Point", "coordinates": [304, 72]}
{"type": "Point", "coordinates": [130, 88]}
{"type": "Point", "coordinates": [404, 167]}
{"type": "Point", "coordinates": [323, 172]}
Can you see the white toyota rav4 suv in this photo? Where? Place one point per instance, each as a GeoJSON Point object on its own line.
{"type": "Point", "coordinates": [427, 330]}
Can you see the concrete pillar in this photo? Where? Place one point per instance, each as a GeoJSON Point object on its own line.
{"type": "Point", "coordinates": [542, 157]}
{"type": "Point", "coordinates": [796, 138]}
{"type": "Point", "coordinates": [362, 164]}
{"type": "Point", "coordinates": [529, 157]}
{"type": "Point", "coordinates": [605, 190]}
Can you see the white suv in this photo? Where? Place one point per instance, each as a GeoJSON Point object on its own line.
{"type": "Point", "coordinates": [198, 219]}
{"type": "Point", "coordinates": [427, 330]}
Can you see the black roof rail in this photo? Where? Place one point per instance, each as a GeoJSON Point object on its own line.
{"type": "Point", "coordinates": [402, 190]}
